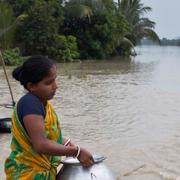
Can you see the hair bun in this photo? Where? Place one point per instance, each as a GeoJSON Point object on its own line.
{"type": "Point", "coordinates": [17, 73]}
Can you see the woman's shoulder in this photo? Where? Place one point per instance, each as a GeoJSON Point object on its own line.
{"type": "Point", "coordinates": [29, 101]}
{"type": "Point", "coordinates": [29, 98]}
{"type": "Point", "coordinates": [30, 104]}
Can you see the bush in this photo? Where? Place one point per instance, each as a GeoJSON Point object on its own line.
{"type": "Point", "coordinates": [63, 48]}
{"type": "Point", "coordinates": [38, 29]}
{"type": "Point", "coordinates": [13, 57]}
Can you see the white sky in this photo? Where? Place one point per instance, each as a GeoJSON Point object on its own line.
{"type": "Point", "coordinates": [166, 14]}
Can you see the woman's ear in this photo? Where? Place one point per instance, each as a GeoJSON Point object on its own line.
{"type": "Point", "coordinates": [30, 86]}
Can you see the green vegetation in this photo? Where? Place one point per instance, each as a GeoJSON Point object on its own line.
{"type": "Point", "coordinates": [170, 42]}
{"type": "Point", "coordinates": [63, 48]}
{"type": "Point", "coordinates": [141, 27]}
{"type": "Point", "coordinates": [13, 56]}
{"type": "Point", "coordinates": [7, 25]}
{"type": "Point", "coordinates": [74, 29]}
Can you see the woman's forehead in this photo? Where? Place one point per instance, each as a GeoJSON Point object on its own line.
{"type": "Point", "coordinates": [52, 72]}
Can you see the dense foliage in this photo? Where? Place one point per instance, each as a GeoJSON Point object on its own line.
{"type": "Point", "coordinates": [13, 56]}
{"type": "Point", "coordinates": [7, 20]}
{"type": "Point", "coordinates": [74, 29]}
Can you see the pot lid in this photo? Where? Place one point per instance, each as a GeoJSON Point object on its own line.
{"type": "Point", "coordinates": [71, 160]}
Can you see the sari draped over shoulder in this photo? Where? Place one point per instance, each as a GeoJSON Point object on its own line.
{"type": "Point", "coordinates": [24, 163]}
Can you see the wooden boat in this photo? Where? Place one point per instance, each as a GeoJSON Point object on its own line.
{"type": "Point", "coordinates": [5, 125]}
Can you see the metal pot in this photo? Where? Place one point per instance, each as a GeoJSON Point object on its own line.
{"type": "Point", "coordinates": [73, 170]}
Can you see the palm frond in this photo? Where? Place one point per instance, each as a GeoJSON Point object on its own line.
{"type": "Point", "coordinates": [127, 41]}
{"type": "Point", "coordinates": [8, 23]}
{"type": "Point", "coordinates": [7, 19]}
{"type": "Point", "coordinates": [134, 11]}
{"type": "Point", "coordinates": [78, 11]}
{"type": "Point", "coordinates": [151, 35]}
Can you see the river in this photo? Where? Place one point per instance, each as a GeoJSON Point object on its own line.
{"type": "Point", "coordinates": [125, 109]}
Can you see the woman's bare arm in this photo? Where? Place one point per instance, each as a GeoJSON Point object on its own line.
{"type": "Point", "coordinates": [35, 127]}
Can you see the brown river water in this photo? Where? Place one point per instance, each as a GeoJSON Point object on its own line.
{"type": "Point", "coordinates": [125, 109]}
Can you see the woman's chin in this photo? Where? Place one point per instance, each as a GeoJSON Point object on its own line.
{"type": "Point", "coordinates": [51, 96]}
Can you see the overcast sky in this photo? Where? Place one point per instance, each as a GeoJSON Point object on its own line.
{"type": "Point", "coordinates": [166, 14]}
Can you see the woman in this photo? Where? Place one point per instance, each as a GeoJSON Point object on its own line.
{"type": "Point", "coordinates": [37, 143]}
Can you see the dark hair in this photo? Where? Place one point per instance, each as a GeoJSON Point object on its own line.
{"type": "Point", "coordinates": [33, 70]}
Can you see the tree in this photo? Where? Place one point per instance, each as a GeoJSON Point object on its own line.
{"type": "Point", "coordinates": [97, 28]}
{"type": "Point", "coordinates": [134, 11]}
{"type": "Point", "coordinates": [82, 9]}
{"type": "Point", "coordinates": [7, 25]}
{"type": "Point", "coordinates": [38, 29]}
{"type": "Point", "coordinates": [21, 6]}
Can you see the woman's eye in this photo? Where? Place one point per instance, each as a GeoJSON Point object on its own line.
{"type": "Point", "coordinates": [49, 82]}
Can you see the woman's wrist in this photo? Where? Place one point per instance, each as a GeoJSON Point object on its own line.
{"type": "Point", "coordinates": [78, 152]}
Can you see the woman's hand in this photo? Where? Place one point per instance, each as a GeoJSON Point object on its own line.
{"type": "Point", "coordinates": [71, 144]}
{"type": "Point", "coordinates": [85, 158]}
{"type": "Point", "coordinates": [67, 142]}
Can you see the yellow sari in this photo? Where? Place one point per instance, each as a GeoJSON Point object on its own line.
{"type": "Point", "coordinates": [24, 163]}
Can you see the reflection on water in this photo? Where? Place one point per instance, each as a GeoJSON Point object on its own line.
{"type": "Point", "coordinates": [126, 109]}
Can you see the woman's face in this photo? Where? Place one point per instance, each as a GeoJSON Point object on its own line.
{"type": "Point", "coordinates": [46, 88]}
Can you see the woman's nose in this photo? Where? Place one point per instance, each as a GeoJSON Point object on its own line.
{"type": "Point", "coordinates": [55, 86]}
